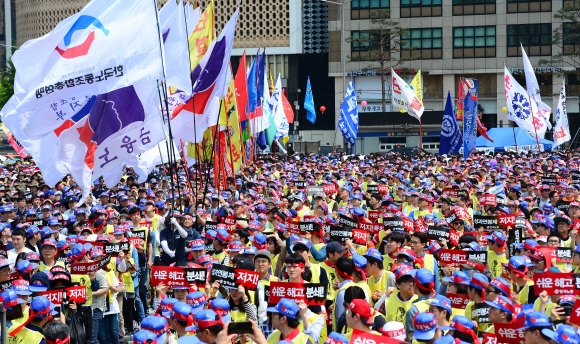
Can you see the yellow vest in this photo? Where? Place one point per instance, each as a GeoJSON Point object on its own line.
{"type": "Point", "coordinates": [429, 263]}
{"type": "Point", "coordinates": [380, 285]}
{"type": "Point", "coordinates": [239, 315]}
{"type": "Point", "coordinates": [524, 294]}
{"type": "Point", "coordinates": [331, 274]}
{"type": "Point", "coordinates": [219, 257]}
{"type": "Point", "coordinates": [311, 320]}
{"type": "Point", "coordinates": [423, 305]}
{"type": "Point", "coordinates": [86, 281]}
{"type": "Point", "coordinates": [315, 270]}
{"type": "Point", "coordinates": [274, 263]}
{"type": "Point", "coordinates": [24, 336]}
{"type": "Point", "coordinates": [301, 338]}
{"type": "Point", "coordinates": [127, 279]}
{"type": "Point", "coordinates": [495, 263]}
{"type": "Point", "coordinates": [388, 262]}
{"type": "Point", "coordinates": [364, 286]}
{"type": "Point", "coordinates": [334, 315]}
{"type": "Point", "coordinates": [42, 267]}
{"type": "Point", "coordinates": [318, 246]}
{"type": "Point", "coordinates": [396, 310]}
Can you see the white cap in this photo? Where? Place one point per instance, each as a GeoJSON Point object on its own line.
{"type": "Point", "coordinates": [395, 330]}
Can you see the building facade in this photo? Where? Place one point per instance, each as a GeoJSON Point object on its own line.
{"type": "Point", "coordinates": [455, 38]}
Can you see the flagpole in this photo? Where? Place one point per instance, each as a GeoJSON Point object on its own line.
{"type": "Point", "coordinates": [515, 141]}
{"type": "Point", "coordinates": [212, 157]}
{"type": "Point", "coordinates": [163, 85]}
{"type": "Point", "coordinates": [535, 130]}
{"type": "Point", "coordinates": [420, 134]}
{"type": "Point", "coordinates": [192, 98]}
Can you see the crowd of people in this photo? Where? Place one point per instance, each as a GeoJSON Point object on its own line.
{"type": "Point", "coordinates": [409, 248]}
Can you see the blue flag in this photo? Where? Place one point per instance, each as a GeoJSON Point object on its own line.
{"type": "Point", "coordinates": [309, 103]}
{"type": "Point", "coordinates": [253, 85]}
{"type": "Point", "coordinates": [470, 117]}
{"type": "Point", "coordinates": [348, 121]}
{"type": "Point", "coordinates": [451, 138]}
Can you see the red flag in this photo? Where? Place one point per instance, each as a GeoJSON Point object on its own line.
{"type": "Point", "coordinates": [241, 87]}
{"type": "Point", "coordinates": [287, 109]}
{"type": "Point", "coordinates": [482, 130]}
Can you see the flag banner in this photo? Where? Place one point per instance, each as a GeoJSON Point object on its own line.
{"type": "Point", "coordinates": [522, 109]}
{"type": "Point", "coordinates": [81, 57]}
{"type": "Point", "coordinates": [202, 36]}
{"type": "Point", "coordinates": [13, 142]}
{"type": "Point", "coordinates": [562, 130]}
{"type": "Point", "coordinates": [121, 124]}
{"type": "Point", "coordinates": [267, 108]}
{"type": "Point", "coordinates": [235, 139]}
{"type": "Point", "coordinates": [348, 121]}
{"type": "Point", "coordinates": [176, 46]}
{"type": "Point", "coordinates": [42, 150]}
{"type": "Point", "coordinates": [534, 89]}
{"type": "Point", "coordinates": [277, 104]}
{"type": "Point", "coordinates": [309, 103]}
{"type": "Point", "coordinates": [253, 97]}
{"type": "Point", "coordinates": [417, 86]}
{"type": "Point", "coordinates": [470, 117]}
{"type": "Point", "coordinates": [211, 78]}
{"type": "Point", "coordinates": [451, 138]}
{"type": "Point", "coordinates": [460, 98]}
{"type": "Point", "coordinates": [405, 98]}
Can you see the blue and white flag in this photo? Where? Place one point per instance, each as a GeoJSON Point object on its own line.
{"type": "Point", "coordinates": [470, 117]}
{"type": "Point", "coordinates": [309, 103]}
{"type": "Point", "coordinates": [451, 138]}
{"type": "Point", "coordinates": [348, 121]}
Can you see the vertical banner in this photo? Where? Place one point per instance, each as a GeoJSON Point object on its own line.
{"type": "Point", "coordinates": [348, 121]}
{"type": "Point", "coordinates": [470, 117]}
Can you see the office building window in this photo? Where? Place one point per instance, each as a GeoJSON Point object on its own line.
{"type": "Point", "coordinates": [571, 38]}
{"type": "Point", "coordinates": [471, 7]}
{"type": "Point", "coordinates": [519, 6]}
{"type": "Point", "coordinates": [425, 42]}
{"type": "Point", "coordinates": [366, 46]}
{"type": "Point", "coordinates": [535, 38]}
{"type": "Point", "coordinates": [473, 41]}
{"type": "Point", "coordinates": [420, 8]}
{"type": "Point", "coordinates": [367, 9]}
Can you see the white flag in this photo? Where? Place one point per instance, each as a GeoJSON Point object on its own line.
{"type": "Point", "coordinates": [405, 98]}
{"type": "Point", "coordinates": [282, 126]}
{"type": "Point", "coordinates": [522, 109]}
{"type": "Point", "coordinates": [562, 130]}
{"type": "Point", "coordinates": [106, 46]}
{"type": "Point", "coordinates": [211, 80]}
{"type": "Point", "coordinates": [174, 34]}
{"type": "Point", "coordinates": [534, 89]}
{"type": "Point", "coordinates": [121, 124]}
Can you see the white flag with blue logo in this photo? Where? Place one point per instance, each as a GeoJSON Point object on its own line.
{"type": "Point", "coordinates": [522, 109]}
{"type": "Point", "coordinates": [562, 129]}
{"type": "Point", "coordinates": [108, 45]}
{"type": "Point", "coordinates": [348, 121]}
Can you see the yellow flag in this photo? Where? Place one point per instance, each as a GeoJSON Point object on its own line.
{"type": "Point", "coordinates": [204, 148]}
{"type": "Point", "coordinates": [417, 86]}
{"type": "Point", "coordinates": [235, 151]}
{"type": "Point", "coordinates": [202, 36]}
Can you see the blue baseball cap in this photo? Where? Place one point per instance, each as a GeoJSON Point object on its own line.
{"type": "Point", "coordinates": [53, 221]}
{"type": "Point", "coordinates": [197, 245]}
{"type": "Point", "coordinates": [196, 300]}
{"type": "Point", "coordinates": [565, 334]}
{"type": "Point", "coordinates": [425, 325]}
{"type": "Point", "coordinates": [374, 253]}
{"type": "Point", "coordinates": [459, 323]}
{"type": "Point", "coordinates": [497, 237]}
{"type": "Point", "coordinates": [286, 307]}
{"type": "Point", "coordinates": [443, 302]}
{"type": "Point", "coordinates": [503, 303]}
{"type": "Point", "coordinates": [181, 311]}
{"type": "Point", "coordinates": [21, 287]}
{"type": "Point", "coordinates": [157, 325]}
{"type": "Point", "coordinates": [39, 282]}
{"type": "Point", "coordinates": [10, 299]}
{"type": "Point", "coordinates": [145, 337]}
{"type": "Point", "coordinates": [536, 319]}
{"type": "Point", "coordinates": [222, 308]}
{"type": "Point", "coordinates": [32, 231]}
{"type": "Point", "coordinates": [166, 306]}
{"type": "Point", "coordinates": [205, 319]}
{"type": "Point", "coordinates": [336, 338]}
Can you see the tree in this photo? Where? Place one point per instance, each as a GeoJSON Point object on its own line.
{"type": "Point", "coordinates": [566, 36]}
{"type": "Point", "coordinates": [380, 46]}
{"type": "Point", "coordinates": [7, 84]}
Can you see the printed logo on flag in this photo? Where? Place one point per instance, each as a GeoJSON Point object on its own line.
{"type": "Point", "coordinates": [521, 106]}
{"type": "Point", "coordinates": [83, 23]}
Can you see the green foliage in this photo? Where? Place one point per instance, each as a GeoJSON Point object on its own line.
{"type": "Point", "coordinates": [380, 46]}
{"type": "Point", "coordinates": [566, 36]}
{"type": "Point", "coordinates": [7, 83]}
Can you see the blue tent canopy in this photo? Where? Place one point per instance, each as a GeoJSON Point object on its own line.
{"type": "Point", "coordinates": [503, 137]}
